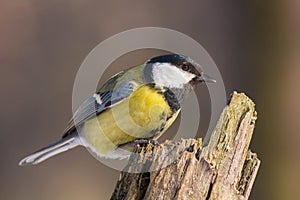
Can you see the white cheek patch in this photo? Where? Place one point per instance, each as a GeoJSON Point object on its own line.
{"type": "Point", "coordinates": [170, 76]}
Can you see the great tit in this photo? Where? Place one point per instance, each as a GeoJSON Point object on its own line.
{"type": "Point", "coordinates": [137, 104]}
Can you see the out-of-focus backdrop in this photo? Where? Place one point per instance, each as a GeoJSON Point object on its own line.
{"type": "Point", "coordinates": [255, 44]}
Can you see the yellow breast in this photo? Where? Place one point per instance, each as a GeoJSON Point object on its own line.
{"type": "Point", "coordinates": [144, 114]}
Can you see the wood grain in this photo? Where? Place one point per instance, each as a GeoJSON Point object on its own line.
{"type": "Point", "coordinates": [224, 169]}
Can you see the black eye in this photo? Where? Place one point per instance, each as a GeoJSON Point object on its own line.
{"type": "Point", "coordinates": [185, 67]}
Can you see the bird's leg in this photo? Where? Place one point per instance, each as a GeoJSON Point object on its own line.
{"type": "Point", "coordinates": [145, 141]}
{"type": "Point", "coordinates": [139, 141]}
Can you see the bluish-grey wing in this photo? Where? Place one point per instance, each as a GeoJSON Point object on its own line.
{"type": "Point", "coordinates": [98, 103]}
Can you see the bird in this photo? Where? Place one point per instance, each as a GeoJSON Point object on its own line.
{"type": "Point", "coordinates": [137, 105]}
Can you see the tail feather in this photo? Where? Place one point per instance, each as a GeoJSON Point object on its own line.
{"type": "Point", "coordinates": [53, 149]}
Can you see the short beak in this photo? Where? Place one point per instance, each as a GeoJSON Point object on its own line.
{"type": "Point", "coordinates": [205, 78]}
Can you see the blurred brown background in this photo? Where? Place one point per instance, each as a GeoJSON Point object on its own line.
{"type": "Point", "coordinates": [42, 44]}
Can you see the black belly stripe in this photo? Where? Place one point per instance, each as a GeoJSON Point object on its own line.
{"type": "Point", "coordinates": [172, 100]}
{"type": "Point", "coordinates": [169, 96]}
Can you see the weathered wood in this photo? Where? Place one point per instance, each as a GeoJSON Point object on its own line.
{"type": "Point", "coordinates": [224, 169]}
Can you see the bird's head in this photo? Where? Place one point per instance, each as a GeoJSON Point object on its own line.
{"type": "Point", "coordinates": [175, 71]}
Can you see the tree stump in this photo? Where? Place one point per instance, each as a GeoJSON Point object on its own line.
{"type": "Point", "coordinates": [224, 169]}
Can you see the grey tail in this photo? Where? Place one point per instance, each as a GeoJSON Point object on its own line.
{"type": "Point", "coordinates": [53, 149]}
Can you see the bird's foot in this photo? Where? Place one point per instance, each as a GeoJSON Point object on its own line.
{"type": "Point", "coordinates": [145, 141]}
{"type": "Point", "coordinates": [140, 142]}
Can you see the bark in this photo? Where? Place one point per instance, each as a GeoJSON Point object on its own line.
{"type": "Point", "coordinates": [224, 169]}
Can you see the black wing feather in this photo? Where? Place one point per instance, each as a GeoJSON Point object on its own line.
{"type": "Point", "coordinates": [91, 108]}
